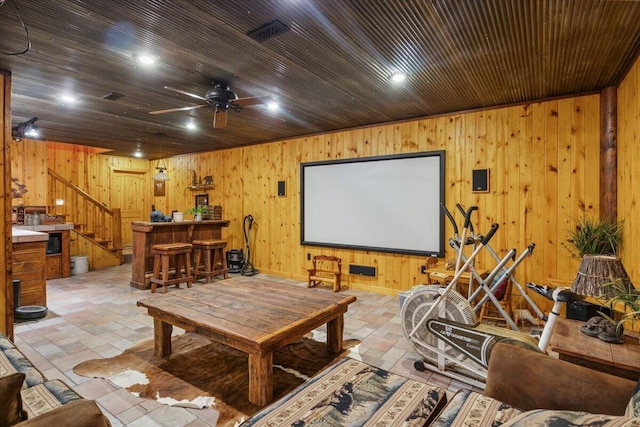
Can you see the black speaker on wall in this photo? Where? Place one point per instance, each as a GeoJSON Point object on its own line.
{"type": "Point", "coordinates": [281, 188]}
{"type": "Point", "coordinates": [480, 180]}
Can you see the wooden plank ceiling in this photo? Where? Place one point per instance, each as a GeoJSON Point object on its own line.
{"type": "Point", "coordinates": [329, 71]}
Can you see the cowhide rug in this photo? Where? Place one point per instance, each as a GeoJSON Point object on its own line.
{"type": "Point", "coordinates": [201, 374]}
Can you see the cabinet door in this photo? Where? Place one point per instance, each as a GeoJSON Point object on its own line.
{"type": "Point", "coordinates": [54, 266]}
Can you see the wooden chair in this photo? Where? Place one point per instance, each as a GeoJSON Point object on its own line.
{"type": "Point", "coordinates": [326, 269]}
{"type": "Point", "coordinates": [490, 312]}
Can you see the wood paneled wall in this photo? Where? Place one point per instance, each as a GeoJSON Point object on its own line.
{"type": "Point", "coordinates": [543, 158]}
{"type": "Point", "coordinates": [6, 254]}
{"type": "Point", "coordinates": [628, 170]}
{"type": "Point", "coordinates": [544, 163]}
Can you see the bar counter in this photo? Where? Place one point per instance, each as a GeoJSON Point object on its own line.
{"type": "Point", "coordinates": [146, 234]}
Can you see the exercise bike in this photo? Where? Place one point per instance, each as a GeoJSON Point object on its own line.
{"type": "Point", "coordinates": [443, 327]}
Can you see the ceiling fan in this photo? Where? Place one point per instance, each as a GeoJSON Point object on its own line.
{"type": "Point", "coordinates": [221, 98]}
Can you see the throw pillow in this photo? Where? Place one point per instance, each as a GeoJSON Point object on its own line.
{"type": "Point", "coordinates": [633, 408]}
{"type": "Point", "coordinates": [546, 417]}
{"type": "Point", "coordinates": [79, 413]}
{"type": "Point", "coordinates": [11, 411]}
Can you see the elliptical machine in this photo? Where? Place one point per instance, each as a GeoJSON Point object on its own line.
{"type": "Point", "coordinates": [247, 268]}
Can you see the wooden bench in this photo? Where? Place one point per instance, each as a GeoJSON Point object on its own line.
{"type": "Point", "coordinates": [323, 273]}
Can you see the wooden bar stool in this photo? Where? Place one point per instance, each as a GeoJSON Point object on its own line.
{"type": "Point", "coordinates": [211, 254]}
{"type": "Point", "coordinates": [162, 253]}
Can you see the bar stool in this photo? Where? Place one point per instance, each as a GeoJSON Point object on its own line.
{"type": "Point", "coordinates": [210, 250]}
{"type": "Point", "coordinates": [161, 255]}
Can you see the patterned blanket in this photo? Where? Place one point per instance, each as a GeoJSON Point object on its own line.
{"type": "Point", "coordinates": [353, 393]}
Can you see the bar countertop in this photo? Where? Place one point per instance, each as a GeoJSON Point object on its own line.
{"type": "Point", "coordinates": [45, 227]}
{"type": "Point", "coordinates": [22, 236]}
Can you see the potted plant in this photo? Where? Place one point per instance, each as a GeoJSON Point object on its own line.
{"type": "Point", "coordinates": [597, 242]}
{"type": "Point", "coordinates": [597, 237]}
{"type": "Point", "coordinates": [625, 299]}
{"type": "Point", "coordinates": [196, 212]}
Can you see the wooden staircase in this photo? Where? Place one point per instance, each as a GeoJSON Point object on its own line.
{"type": "Point", "coordinates": [98, 225]}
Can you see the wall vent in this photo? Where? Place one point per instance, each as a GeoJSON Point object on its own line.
{"type": "Point", "coordinates": [268, 31]}
{"type": "Point", "coordinates": [113, 96]}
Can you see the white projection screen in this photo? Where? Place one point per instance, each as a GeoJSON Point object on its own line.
{"type": "Point", "coordinates": [384, 204]}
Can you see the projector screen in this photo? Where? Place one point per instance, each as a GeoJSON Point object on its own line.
{"type": "Point", "coordinates": [384, 204]}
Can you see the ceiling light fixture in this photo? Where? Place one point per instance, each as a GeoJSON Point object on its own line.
{"type": "Point", "coordinates": [146, 59]}
{"type": "Point", "coordinates": [27, 128]}
{"type": "Point", "coordinates": [398, 77]}
{"type": "Point", "coordinates": [272, 106]}
{"type": "Point", "coordinates": [161, 176]}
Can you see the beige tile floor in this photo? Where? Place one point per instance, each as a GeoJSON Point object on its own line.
{"type": "Point", "coordinates": [94, 315]}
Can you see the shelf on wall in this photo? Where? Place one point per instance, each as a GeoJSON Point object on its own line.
{"type": "Point", "coordinates": [200, 187]}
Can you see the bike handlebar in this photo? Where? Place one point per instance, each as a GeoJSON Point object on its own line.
{"type": "Point", "coordinates": [453, 221]}
{"type": "Point", "coordinates": [555, 293]}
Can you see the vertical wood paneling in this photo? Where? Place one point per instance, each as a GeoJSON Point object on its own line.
{"type": "Point", "coordinates": [538, 155]}
{"type": "Point", "coordinates": [628, 171]}
{"type": "Point", "coordinates": [6, 254]}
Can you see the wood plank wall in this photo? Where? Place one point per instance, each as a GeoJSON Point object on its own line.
{"type": "Point", "coordinates": [543, 158]}
{"type": "Point", "coordinates": [6, 254]}
{"type": "Point", "coordinates": [628, 170]}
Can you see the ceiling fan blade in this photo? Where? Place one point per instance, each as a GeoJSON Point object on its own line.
{"type": "Point", "coordinates": [171, 110]}
{"type": "Point", "coordinates": [219, 118]}
{"type": "Point", "coordinates": [254, 100]}
{"type": "Point", "coordinates": [185, 93]}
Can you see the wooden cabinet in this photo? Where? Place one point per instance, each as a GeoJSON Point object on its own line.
{"type": "Point", "coordinates": [58, 254]}
{"type": "Point", "coordinates": [29, 267]}
{"type": "Point", "coordinates": [54, 266]}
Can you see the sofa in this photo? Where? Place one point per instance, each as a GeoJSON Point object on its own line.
{"type": "Point", "coordinates": [27, 398]}
{"type": "Point", "coordinates": [524, 388]}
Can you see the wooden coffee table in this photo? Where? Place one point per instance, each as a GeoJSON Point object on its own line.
{"type": "Point", "coordinates": [256, 317]}
{"type": "Point", "coordinates": [622, 360]}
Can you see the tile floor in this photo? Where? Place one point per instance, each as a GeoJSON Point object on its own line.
{"type": "Point", "coordinates": [95, 315]}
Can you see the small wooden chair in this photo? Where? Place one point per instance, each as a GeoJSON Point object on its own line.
{"type": "Point", "coordinates": [490, 312]}
{"type": "Point", "coordinates": [321, 273]}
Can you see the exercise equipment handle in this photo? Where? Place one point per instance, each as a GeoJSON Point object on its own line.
{"type": "Point", "coordinates": [453, 222]}
{"type": "Point", "coordinates": [494, 228]}
{"type": "Point", "coordinates": [464, 214]}
{"type": "Point", "coordinates": [467, 216]}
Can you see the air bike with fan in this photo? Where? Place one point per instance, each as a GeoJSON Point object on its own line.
{"type": "Point", "coordinates": [444, 329]}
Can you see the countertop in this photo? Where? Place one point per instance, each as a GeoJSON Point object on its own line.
{"type": "Point", "coordinates": [222, 222]}
{"type": "Point", "coordinates": [45, 227]}
{"type": "Point", "coordinates": [22, 236]}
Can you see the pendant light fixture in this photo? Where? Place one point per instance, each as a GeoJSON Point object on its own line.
{"type": "Point", "coordinates": [161, 165]}
{"type": "Point", "coordinates": [161, 176]}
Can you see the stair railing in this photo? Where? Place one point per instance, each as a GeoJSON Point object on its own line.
{"type": "Point", "coordinates": [91, 217]}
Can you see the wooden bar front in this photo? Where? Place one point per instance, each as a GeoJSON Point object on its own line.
{"type": "Point", "coordinates": [146, 234]}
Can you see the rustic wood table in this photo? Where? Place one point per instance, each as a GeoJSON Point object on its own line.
{"type": "Point", "coordinates": [622, 360]}
{"type": "Point", "coordinates": [256, 317]}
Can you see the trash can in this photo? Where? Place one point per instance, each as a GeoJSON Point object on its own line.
{"type": "Point", "coordinates": [25, 311]}
{"type": "Point", "coordinates": [79, 265]}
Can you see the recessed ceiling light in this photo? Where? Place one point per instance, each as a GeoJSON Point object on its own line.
{"type": "Point", "coordinates": [68, 98]}
{"type": "Point", "coordinates": [191, 125]}
{"type": "Point", "coordinates": [272, 105]}
{"type": "Point", "coordinates": [146, 59]}
{"type": "Point", "coordinates": [398, 76]}
{"type": "Point", "coordinates": [137, 153]}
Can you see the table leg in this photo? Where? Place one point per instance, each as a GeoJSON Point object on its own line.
{"type": "Point", "coordinates": [335, 329]}
{"type": "Point", "coordinates": [260, 378]}
{"type": "Point", "coordinates": [162, 337]}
